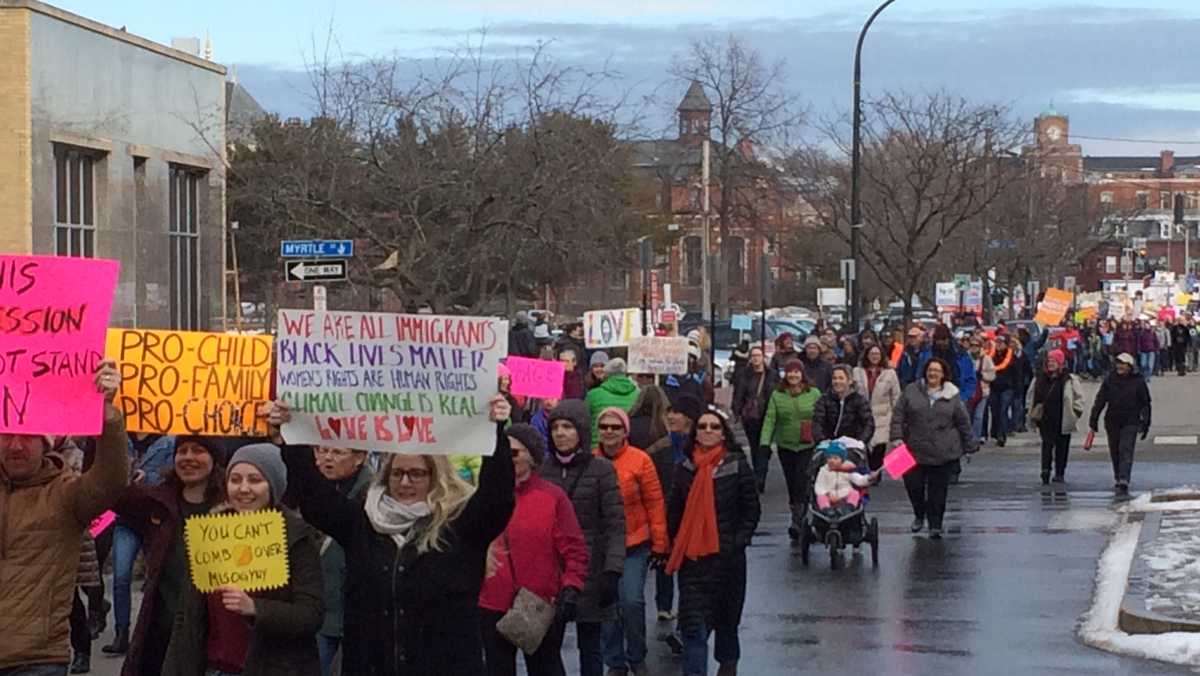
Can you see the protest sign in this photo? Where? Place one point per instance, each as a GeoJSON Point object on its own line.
{"type": "Point", "coordinates": [389, 382]}
{"type": "Point", "coordinates": [611, 328]}
{"type": "Point", "coordinates": [101, 523]}
{"type": "Point", "coordinates": [190, 382]}
{"type": "Point", "coordinates": [651, 354]}
{"type": "Point", "coordinates": [53, 316]}
{"type": "Point", "coordinates": [537, 378]}
{"type": "Point", "coordinates": [247, 550]}
{"type": "Point", "coordinates": [1054, 307]}
{"type": "Point", "coordinates": [1085, 314]}
{"type": "Point", "coordinates": [899, 461]}
{"type": "Point", "coordinates": [741, 322]}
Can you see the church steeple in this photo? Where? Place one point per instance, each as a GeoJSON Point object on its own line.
{"type": "Point", "coordinates": [695, 114]}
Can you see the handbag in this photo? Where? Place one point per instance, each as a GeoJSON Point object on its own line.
{"type": "Point", "coordinates": [752, 408]}
{"type": "Point", "coordinates": [1036, 413]}
{"type": "Point", "coordinates": [530, 617]}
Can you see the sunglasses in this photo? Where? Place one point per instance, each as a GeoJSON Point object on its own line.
{"type": "Point", "coordinates": [711, 427]}
{"type": "Point", "coordinates": [611, 428]}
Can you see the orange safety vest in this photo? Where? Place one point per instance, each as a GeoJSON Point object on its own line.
{"type": "Point", "coordinates": [897, 352]}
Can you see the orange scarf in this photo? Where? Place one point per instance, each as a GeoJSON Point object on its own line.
{"type": "Point", "coordinates": [1008, 356]}
{"type": "Point", "coordinates": [698, 535]}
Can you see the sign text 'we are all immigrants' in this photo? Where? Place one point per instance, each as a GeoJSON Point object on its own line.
{"type": "Point", "coordinates": [389, 382]}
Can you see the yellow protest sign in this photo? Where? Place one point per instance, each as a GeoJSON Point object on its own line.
{"type": "Point", "coordinates": [1085, 314]}
{"type": "Point", "coordinates": [1054, 307]}
{"type": "Point", "coordinates": [191, 382]}
{"type": "Point", "coordinates": [1182, 299]}
{"type": "Point", "coordinates": [246, 550]}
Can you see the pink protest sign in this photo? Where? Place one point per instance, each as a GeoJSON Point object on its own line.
{"type": "Point", "coordinates": [53, 323]}
{"type": "Point", "coordinates": [537, 378]}
{"type": "Point", "coordinates": [101, 523]}
{"type": "Point", "coordinates": [899, 461]}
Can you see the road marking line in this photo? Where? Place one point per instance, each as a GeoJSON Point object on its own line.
{"type": "Point", "coordinates": [1177, 440]}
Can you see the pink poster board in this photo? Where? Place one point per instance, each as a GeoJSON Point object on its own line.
{"type": "Point", "coordinates": [537, 378]}
{"type": "Point", "coordinates": [53, 323]}
{"type": "Point", "coordinates": [899, 461]}
{"type": "Point", "coordinates": [101, 523]}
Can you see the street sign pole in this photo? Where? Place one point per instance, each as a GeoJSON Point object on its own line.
{"type": "Point", "coordinates": [320, 298]}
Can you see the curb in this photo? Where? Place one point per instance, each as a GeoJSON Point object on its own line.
{"type": "Point", "coordinates": [1134, 617]}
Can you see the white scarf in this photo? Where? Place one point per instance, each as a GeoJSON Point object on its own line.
{"type": "Point", "coordinates": [390, 517]}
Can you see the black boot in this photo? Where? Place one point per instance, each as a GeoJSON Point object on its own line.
{"type": "Point", "coordinates": [120, 644]}
{"type": "Point", "coordinates": [1045, 478]}
{"type": "Point", "coordinates": [82, 663]}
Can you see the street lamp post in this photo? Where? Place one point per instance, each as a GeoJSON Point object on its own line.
{"type": "Point", "coordinates": [855, 161]}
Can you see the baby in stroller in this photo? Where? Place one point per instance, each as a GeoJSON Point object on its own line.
{"type": "Point", "coordinates": [837, 487]}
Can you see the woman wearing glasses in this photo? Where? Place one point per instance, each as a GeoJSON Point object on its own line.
{"type": "Point", "coordinates": [714, 494]}
{"type": "Point", "coordinates": [415, 554]}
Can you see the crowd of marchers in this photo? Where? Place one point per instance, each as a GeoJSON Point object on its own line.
{"type": "Point", "coordinates": [451, 565]}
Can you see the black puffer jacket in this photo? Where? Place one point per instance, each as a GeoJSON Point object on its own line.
{"type": "Point", "coordinates": [591, 483]}
{"type": "Point", "coordinates": [713, 588]}
{"type": "Point", "coordinates": [1127, 398]}
{"type": "Point", "coordinates": [407, 612]}
{"type": "Point", "coordinates": [849, 417]}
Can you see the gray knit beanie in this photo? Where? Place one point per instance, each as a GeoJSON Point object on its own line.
{"type": "Point", "coordinates": [266, 459]}
{"type": "Point", "coordinates": [531, 438]}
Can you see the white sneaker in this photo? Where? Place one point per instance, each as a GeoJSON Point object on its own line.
{"type": "Point", "coordinates": [665, 615]}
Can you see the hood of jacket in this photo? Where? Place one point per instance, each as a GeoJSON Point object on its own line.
{"type": "Point", "coordinates": [619, 385]}
{"type": "Point", "coordinates": [949, 390]}
{"type": "Point", "coordinates": [53, 465]}
{"type": "Point", "coordinates": [575, 412]}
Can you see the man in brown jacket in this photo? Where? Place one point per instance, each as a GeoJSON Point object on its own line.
{"type": "Point", "coordinates": [44, 512]}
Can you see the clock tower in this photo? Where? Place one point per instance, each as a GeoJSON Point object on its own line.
{"type": "Point", "coordinates": [1052, 129]}
{"type": "Point", "coordinates": [1054, 152]}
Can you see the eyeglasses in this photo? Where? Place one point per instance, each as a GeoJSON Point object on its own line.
{"type": "Point", "coordinates": [611, 428]}
{"type": "Point", "coordinates": [337, 453]}
{"type": "Point", "coordinates": [413, 475]}
{"type": "Point", "coordinates": [711, 427]}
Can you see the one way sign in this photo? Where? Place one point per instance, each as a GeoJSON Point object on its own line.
{"type": "Point", "coordinates": [315, 271]}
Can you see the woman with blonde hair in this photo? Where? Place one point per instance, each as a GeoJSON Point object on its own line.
{"type": "Point", "coordinates": [416, 550]}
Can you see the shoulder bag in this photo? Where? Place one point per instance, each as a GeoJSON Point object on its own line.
{"type": "Point", "coordinates": [530, 617]}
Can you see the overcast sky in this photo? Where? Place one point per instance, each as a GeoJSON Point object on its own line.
{"type": "Point", "coordinates": [1119, 69]}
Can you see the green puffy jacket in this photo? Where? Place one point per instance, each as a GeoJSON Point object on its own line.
{"type": "Point", "coordinates": [786, 413]}
{"type": "Point", "coordinates": [616, 391]}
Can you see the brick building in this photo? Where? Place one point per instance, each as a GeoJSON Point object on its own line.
{"type": "Point", "coordinates": [1135, 199]}
{"type": "Point", "coordinates": [669, 190]}
{"type": "Point", "coordinates": [113, 146]}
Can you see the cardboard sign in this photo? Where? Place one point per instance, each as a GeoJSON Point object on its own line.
{"type": "Point", "coordinates": [537, 378]}
{"type": "Point", "coordinates": [247, 550]}
{"type": "Point", "coordinates": [741, 322]}
{"type": "Point", "coordinates": [611, 328]}
{"type": "Point", "coordinates": [53, 317]}
{"type": "Point", "coordinates": [651, 354]}
{"type": "Point", "coordinates": [389, 382]}
{"type": "Point", "coordinates": [1054, 307]}
{"type": "Point", "coordinates": [1085, 314]}
{"type": "Point", "coordinates": [101, 523]}
{"type": "Point", "coordinates": [899, 461]}
{"type": "Point", "coordinates": [189, 382]}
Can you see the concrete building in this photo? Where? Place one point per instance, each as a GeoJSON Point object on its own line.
{"type": "Point", "coordinates": [113, 146]}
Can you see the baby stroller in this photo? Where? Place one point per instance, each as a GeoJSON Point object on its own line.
{"type": "Point", "coordinates": [846, 524]}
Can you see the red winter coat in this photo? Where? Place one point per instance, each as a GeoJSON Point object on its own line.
{"type": "Point", "coordinates": [547, 548]}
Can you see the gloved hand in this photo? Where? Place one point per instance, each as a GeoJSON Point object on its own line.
{"type": "Point", "coordinates": [607, 587]}
{"type": "Point", "coordinates": [658, 561]}
{"type": "Point", "coordinates": [568, 603]}
{"type": "Point", "coordinates": [1145, 432]}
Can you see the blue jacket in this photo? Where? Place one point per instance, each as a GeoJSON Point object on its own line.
{"type": "Point", "coordinates": [908, 368]}
{"type": "Point", "coordinates": [158, 457]}
{"type": "Point", "coordinates": [1032, 351]}
{"type": "Point", "coordinates": [964, 366]}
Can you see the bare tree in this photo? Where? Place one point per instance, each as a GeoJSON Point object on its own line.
{"type": "Point", "coordinates": [929, 173]}
{"type": "Point", "coordinates": [751, 110]}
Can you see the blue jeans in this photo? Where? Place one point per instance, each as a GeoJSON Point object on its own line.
{"type": "Point", "coordinates": [625, 639]}
{"type": "Point", "coordinates": [1000, 403]}
{"type": "Point", "coordinates": [589, 637]}
{"type": "Point", "coordinates": [977, 417]}
{"type": "Point", "coordinates": [36, 670]}
{"type": "Point", "coordinates": [327, 647]}
{"type": "Point", "coordinates": [695, 648]}
{"type": "Point", "coordinates": [664, 591]}
{"type": "Point", "coordinates": [126, 544]}
{"type": "Point", "coordinates": [1146, 360]}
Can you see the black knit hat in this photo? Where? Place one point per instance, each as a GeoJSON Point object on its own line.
{"type": "Point", "coordinates": [688, 404]}
{"type": "Point", "coordinates": [531, 438]}
{"type": "Point", "coordinates": [220, 448]}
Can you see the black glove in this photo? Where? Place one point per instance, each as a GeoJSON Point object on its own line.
{"type": "Point", "coordinates": [658, 561]}
{"type": "Point", "coordinates": [1145, 431]}
{"type": "Point", "coordinates": [568, 603]}
{"type": "Point", "coordinates": [607, 588]}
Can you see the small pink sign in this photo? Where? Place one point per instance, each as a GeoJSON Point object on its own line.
{"type": "Point", "coordinates": [899, 461]}
{"type": "Point", "coordinates": [53, 323]}
{"type": "Point", "coordinates": [537, 378]}
{"type": "Point", "coordinates": [102, 522]}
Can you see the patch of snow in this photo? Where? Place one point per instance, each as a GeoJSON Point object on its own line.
{"type": "Point", "coordinates": [1082, 519]}
{"type": "Point", "coordinates": [1142, 504]}
{"type": "Point", "coordinates": [1098, 626]}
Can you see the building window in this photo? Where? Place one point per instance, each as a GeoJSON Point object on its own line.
{"type": "Point", "coordinates": [693, 261]}
{"type": "Point", "coordinates": [1120, 230]}
{"type": "Point", "coordinates": [1143, 200]}
{"type": "Point", "coordinates": [1110, 264]}
{"type": "Point", "coordinates": [1164, 200]}
{"type": "Point", "coordinates": [1190, 201]}
{"type": "Point", "coordinates": [618, 280]}
{"type": "Point", "coordinates": [733, 250]}
{"type": "Point", "coordinates": [184, 255]}
{"type": "Point", "coordinates": [1106, 197]}
{"type": "Point", "coordinates": [74, 202]}
{"type": "Point", "coordinates": [1164, 229]}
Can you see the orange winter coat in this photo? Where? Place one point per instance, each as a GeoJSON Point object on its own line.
{"type": "Point", "coordinates": [645, 507]}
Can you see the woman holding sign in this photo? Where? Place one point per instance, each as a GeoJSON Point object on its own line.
{"type": "Point", "coordinates": [932, 419]}
{"type": "Point", "coordinates": [415, 554]}
{"type": "Point", "coordinates": [267, 633]}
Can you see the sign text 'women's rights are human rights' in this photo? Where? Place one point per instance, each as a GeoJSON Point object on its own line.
{"type": "Point", "coordinates": [389, 382]}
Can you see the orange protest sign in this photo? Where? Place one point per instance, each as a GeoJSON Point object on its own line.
{"type": "Point", "coordinates": [1054, 307]}
{"type": "Point", "coordinates": [189, 382]}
